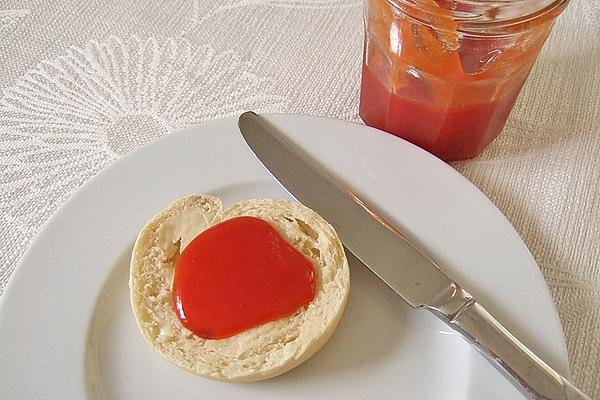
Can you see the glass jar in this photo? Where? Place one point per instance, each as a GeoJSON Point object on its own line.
{"type": "Point", "coordinates": [445, 74]}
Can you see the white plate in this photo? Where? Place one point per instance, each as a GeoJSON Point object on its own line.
{"type": "Point", "coordinates": [67, 329]}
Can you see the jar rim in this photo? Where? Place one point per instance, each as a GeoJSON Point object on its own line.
{"type": "Point", "coordinates": [488, 18]}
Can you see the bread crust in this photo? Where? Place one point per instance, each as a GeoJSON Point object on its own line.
{"type": "Point", "coordinates": [257, 353]}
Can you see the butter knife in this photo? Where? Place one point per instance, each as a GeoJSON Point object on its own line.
{"type": "Point", "coordinates": [383, 249]}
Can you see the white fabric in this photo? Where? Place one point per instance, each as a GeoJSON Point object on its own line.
{"type": "Point", "coordinates": [85, 82]}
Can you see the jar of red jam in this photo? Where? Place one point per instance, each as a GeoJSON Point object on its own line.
{"type": "Point", "coordinates": [445, 74]}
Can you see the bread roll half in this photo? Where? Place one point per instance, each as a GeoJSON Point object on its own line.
{"type": "Point", "coordinates": [258, 353]}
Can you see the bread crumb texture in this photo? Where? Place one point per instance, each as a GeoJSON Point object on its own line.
{"type": "Point", "coordinates": [258, 353]}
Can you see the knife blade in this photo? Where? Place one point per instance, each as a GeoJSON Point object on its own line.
{"type": "Point", "coordinates": [383, 249]}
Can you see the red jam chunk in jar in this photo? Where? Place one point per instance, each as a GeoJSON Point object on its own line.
{"type": "Point", "coordinates": [446, 92]}
{"type": "Point", "coordinates": [237, 275]}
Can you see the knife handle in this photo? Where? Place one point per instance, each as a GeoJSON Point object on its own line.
{"type": "Point", "coordinates": [536, 379]}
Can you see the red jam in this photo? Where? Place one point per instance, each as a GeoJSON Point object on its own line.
{"type": "Point", "coordinates": [451, 132]}
{"type": "Point", "coordinates": [237, 275]}
{"type": "Point", "coordinates": [444, 89]}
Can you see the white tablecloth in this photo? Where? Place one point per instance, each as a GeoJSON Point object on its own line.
{"type": "Point", "coordinates": [85, 82]}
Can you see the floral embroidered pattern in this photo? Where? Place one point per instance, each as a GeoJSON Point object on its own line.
{"type": "Point", "coordinates": [227, 5]}
{"type": "Point", "coordinates": [69, 117]}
